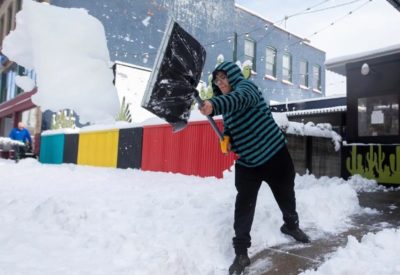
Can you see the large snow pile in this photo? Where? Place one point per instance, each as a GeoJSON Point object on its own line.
{"type": "Point", "coordinates": [68, 219]}
{"type": "Point", "coordinates": [67, 48]}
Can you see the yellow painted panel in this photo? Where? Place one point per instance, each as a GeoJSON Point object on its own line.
{"type": "Point", "coordinates": [98, 148]}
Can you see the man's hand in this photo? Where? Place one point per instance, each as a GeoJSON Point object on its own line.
{"type": "Point", "coordinates": [207, 108]}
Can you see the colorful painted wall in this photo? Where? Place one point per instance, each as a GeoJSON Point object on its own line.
{"type": "Point", "coordinates": [194, 151]}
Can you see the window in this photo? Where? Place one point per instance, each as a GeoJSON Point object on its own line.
{"type": "Point", "coordinates": [270, 61]}
{"type": "Point", "coordinates": [378, 116]}
{"type": "Point", "coordinates": [2, 23]}
{"type": "Point", "coordinates": [250, 51]}
{"type": "Point", "coordinates": [19, 5]}
{"type": "Point", "coordinates": [3, 88]}
{"type": "Point", "coordinates": [21, 72]}
{"type": "Point", "coordinates": [304, 73]}
{"type": "Point", "coordinates": [10, 84]}
{"type": "Point", "coordinates": [317, 77]}
{"type": "Point", "coordinates": [10, 19]}
{"type": "Point", "coordinates": [31, 118]}
{"type": "Point", "coordinates": [287, 67]}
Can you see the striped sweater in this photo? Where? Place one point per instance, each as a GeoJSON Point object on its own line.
{"type": "Point", "coordinates": [255, 137]}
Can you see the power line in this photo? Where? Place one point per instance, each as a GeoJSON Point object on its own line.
{"type": "Point", "coordinates": [334, 22]}
{"type": "Point", "coordinates": [230, 38]}
{"type": "Point", "coordinates": [284, 19]}
{"type": "Point", "coordinates": [268, 27]}
{"type": "Point", "coordinates": [334, 7]}
{"type": "Point", "coordinates": [276, 23]}
{"type": "Point", "coordinates": [309, 10]}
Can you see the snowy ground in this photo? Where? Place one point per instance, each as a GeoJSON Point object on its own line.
{"type": "Point", "coordinates": [68, 219]}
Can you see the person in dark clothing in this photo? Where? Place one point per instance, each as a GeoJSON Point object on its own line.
{"type": "Point", "coordinates": [262, 156]}
{"type": "Point", "coordinates": [20, 134]}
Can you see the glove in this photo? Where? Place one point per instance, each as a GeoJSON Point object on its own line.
{"type": "Point", "coordinates": [225, 144]}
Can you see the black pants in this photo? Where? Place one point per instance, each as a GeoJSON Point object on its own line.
{"type": "Point", "coordinates": [19, 151]}
{"type": "Point", "coordinates": [279, 173]}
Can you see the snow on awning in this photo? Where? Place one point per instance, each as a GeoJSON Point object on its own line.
{"type": "Point", "coordinates": [323, 130]}
{"type": "Point", "coordinates": [336, 109]}
{"type": "Point", "coordinates": [338, 64]}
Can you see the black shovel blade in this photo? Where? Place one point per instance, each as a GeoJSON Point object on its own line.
{"type": "Point", "coordinates": [176, 73]}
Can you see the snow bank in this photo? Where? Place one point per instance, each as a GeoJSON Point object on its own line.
{"type": "Point", "coordinates": [374, 254]}
{"type": "Point", "coordinates": [68, 219]}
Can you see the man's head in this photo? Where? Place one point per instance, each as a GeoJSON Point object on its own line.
{"type": "Point", "coordinates": [21, 125]}
{"type": "Point", "coordinates": [222, 82]}
{"type": "Point", "coordinates": [225, 78]}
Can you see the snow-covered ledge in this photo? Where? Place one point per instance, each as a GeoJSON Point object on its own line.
{"type": "Point", "coordinates": [290, 127]}
{"type": "Point", "coordinates": [310, 129]}
{"type": "Point", "coordinates": [287, 82]}
{"type": "Point", "coordinates": [9, 141]}
{"type": "Point", "coordinates": [91, 128]}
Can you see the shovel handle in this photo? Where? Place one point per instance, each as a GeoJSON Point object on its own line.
{"type": "Point", "coordinates": [200, 102]}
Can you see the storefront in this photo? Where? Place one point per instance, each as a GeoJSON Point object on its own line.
{"type": "Point", "coordinates": [372, 117]}
{"type": "Point", "coordinates": [21, 108]}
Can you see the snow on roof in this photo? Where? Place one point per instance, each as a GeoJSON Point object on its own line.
{"type": "Point", "coordinates": [338, 64]}
{"type": "Point", "coordinates": [274, 103]}
{"type": "Point", "coordinates": [336, 109]}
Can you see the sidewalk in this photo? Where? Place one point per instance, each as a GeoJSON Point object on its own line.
{"type": "Point", "coordinates": [295, 258]}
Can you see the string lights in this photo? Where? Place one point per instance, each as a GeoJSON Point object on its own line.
{"type": "Point", "coordinates": [268, 27]}
{"type": "Point", "coordinates": [307, 38]}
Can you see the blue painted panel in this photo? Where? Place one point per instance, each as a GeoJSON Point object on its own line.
{"type": "Point", "coordinates": [52, 149]}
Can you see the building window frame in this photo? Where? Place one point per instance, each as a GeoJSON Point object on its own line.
{"type": "Point", "coordinates": [378, 116]}
{"type": "Point", "coordinates": [3, 88]}
{"type": "Point", "coordinates": [10, 19]}
{"type": "Point", "coordinates": [2, 26]}
{"type": "Point", "coordinates": [287, 67]}
{"type": "Point", "coordinates": [19, 5]}
{"type": "Point", "coordinates": [20, 71]}
{"type": "Point", "coordinates": [303, 71]}
{"type": "Point", "coordinates": [316, 85]}
{"type": "Point", "coordinates": [250, 51]}
{"type": "Point", "coordinates": [270, 61]}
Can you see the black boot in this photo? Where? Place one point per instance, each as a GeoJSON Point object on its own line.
{"type": "Point", "coordinates": [239, 264]}
{"type": "Point", "coordinates": [296, 233]}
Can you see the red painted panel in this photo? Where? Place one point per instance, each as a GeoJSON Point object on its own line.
{"type": "Point", "coordinates": [192, 151]}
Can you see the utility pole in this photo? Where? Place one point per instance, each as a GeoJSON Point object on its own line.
{"type": "Point", "coordinates": [286, 18]}
{"type": "Point", "coordinates": [235, 39]}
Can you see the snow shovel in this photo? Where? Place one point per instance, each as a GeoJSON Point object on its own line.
{"type": "Point", "coordinates": [177, 70]}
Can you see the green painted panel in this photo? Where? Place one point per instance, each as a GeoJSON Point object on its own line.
{"type": "Point", "coordinates": [378, 162]}
{"type": "Point", "coordinates": [52, 149]}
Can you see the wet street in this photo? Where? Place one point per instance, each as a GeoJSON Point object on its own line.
{"type": "Point", "coordinates": [294, 258]}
